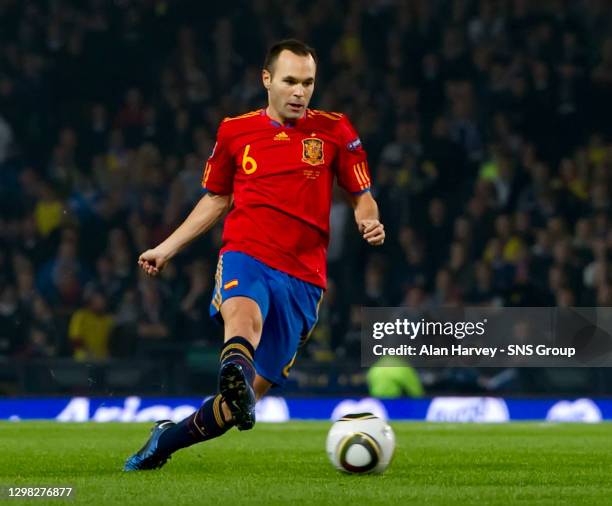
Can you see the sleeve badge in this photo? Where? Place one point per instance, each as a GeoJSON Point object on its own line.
{"type": "Point", "coordinates": [354, 145]}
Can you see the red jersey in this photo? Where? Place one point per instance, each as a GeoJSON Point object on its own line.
{"type": "Point", "coordinates": [281, 177]}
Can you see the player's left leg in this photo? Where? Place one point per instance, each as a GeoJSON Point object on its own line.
{"type": "Point", "coordinates": [167, 437]}
{"type": "Point", "coordinates": [270, 346]}
{"type": "Point", "coordinates": [212, 420]}
{"type": "Point", "coordinates": [243, 308]}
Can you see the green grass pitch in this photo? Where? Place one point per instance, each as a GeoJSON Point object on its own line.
{"type": "Point", "coordinates": [286, 464]}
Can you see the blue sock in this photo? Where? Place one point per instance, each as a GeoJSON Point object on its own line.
{"type": "Point", "coordinates": [239, 350]}
{"type": "Point", "coordinates": [206, 423]}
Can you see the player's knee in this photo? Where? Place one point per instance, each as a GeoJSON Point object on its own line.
{"type": "Point", "coordinates": [243, 326]}
{"type": "Point", "coordinates": [242, 318]}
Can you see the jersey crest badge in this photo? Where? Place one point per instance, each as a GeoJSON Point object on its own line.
{"type": "Point", "coordinates": [312, 151]}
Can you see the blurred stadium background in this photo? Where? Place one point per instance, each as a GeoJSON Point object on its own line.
{"type": "Point", "coordinates": [487, 124]}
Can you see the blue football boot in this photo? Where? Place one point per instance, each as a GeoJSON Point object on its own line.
{"type": "Point", "coordinates": [238, 394]}
{"type": "Point", "coordinates": [148, 457]}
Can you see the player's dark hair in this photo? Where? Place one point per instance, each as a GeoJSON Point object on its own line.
{"type": "Point", "coordinates": [293, 45]}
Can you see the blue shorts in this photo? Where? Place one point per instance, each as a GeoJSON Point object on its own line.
{"type": "Point", "coordinates": [289, 308]}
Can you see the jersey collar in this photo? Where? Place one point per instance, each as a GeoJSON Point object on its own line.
{"type": "Point", "coordinates": [276, 124]}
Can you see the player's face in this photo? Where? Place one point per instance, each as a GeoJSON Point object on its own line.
{"type": "Point", "coordinates": [290, 85]}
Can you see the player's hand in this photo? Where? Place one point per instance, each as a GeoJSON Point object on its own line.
{"type": "Point", "coordinates": [372, 231]}
{"type": "Point", "coordinates": [153, 261]}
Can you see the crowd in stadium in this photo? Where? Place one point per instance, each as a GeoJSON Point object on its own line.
{"type": "Point", "coordinates": [486, 123]}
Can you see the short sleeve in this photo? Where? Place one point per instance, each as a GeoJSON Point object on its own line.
{"type": "Point", "coordinates": [352, 164]}
{"type": "Point", "coordinates": [218, 176]}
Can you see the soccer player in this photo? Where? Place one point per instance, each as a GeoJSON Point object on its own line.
{"type": "Point", "coordinates": [273, 169]}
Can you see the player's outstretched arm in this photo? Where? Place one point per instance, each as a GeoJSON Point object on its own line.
{"type": "Point", "coordinates": [202, 218]}
{"type": "Point", "coordinates": [367, 219]}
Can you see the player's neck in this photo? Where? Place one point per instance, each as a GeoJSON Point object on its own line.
{"type": "Point", "coordinates": [274, 115]}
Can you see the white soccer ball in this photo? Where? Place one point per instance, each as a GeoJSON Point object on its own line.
{"type": "Point", "coordinates": [360, 443]}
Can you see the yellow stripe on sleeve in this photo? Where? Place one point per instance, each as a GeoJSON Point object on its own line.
{"type": "Point", "coordinates": [358, 176]}
{"type": "Point", "coordinates": [364, 174]}
{"type": "Point", "coordinates": [206, 173]}
{"type": "Point", "coordinates": [367, 174]}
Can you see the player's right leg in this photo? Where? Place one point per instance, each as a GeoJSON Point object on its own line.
{"type": "Point", "coordinates": [243, 325]}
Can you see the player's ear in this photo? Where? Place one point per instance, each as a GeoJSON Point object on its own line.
{"type": "Point", "coordinates": [266, 78]}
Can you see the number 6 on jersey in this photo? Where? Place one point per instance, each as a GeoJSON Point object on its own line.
{"type": "Point", "coordinates": [249, 165]}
